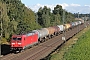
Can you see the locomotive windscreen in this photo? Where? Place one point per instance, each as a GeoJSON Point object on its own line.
{"type": "Point", "coordinates": [17, 38]}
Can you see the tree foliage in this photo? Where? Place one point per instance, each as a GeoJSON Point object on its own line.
{"type": "Point", "coordinates": [17, 18]}
{"type": "Point", "coordinates": [4, 19]}
{"type": "Point", "coordinates": [47, 18]}
{"type": "Point", "coordinates": [44, 16]}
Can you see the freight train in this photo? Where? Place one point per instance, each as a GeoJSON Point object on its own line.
{"type": "Point", "coordinates": [21, 42]}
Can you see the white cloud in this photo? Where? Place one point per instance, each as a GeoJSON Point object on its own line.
{"type": "Point", "coordinates": [73, 8]}
{"type": "Point", "coordinates": [37, 6]}
{"type": "Point", "coordinates": [64, 5]}
{"type": "Point", "coordinates": [75, 5]}
{"type": "Point", "coordinates": [80, 9]}
{"type": "Point", "coordinates": [87, 5]}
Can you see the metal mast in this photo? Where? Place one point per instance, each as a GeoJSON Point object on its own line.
{"type": "Point", "coordinates": [0, 29]}
{"type": "Point", "coordinates": [63, 37]}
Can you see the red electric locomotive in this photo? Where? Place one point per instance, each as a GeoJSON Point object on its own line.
{"type": "Point", "coordinates": [20, 42]}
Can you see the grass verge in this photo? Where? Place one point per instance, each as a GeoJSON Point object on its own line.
{"type": "Point", "coordinates": [67, 50]}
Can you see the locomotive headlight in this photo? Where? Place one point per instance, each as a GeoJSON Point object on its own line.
{"type": "Point", "coordinates": [19, 43]}
{"type": "Point", "coordinates": [13, 43]}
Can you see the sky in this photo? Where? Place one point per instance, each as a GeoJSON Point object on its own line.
{"type": "Point", "coordinates": [73, 6]}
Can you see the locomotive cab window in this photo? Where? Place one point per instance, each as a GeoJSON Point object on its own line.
{"type": "Point", "coordinates": [13, 38]}
{"type": "Point", "coordinates": [16, 38]}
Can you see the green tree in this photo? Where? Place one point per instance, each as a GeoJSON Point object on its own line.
{"type": "Point", "coordinates": [44, 16]}
{"type": "Point", "coordinates": [16, 18]}
{"type": "Point", "coordinates": [5, 20]}
{"type": "Point", "coordinates": [57, 14]}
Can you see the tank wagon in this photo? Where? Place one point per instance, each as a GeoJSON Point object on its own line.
{"type": "Point", "coordinates": [56, 30]}
{"type": "Point", "coordinates": [42, 33]}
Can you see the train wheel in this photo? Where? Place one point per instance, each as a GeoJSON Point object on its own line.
{"type": "Point", "coordinates": [21, 50]}
{"type": "Point", "coordinates": [49, 37]}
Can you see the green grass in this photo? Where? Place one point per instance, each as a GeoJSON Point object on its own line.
{"type": "Point", "coordinates": [77, 48]}
{"type": "Point", "coordinates": [81, 50]}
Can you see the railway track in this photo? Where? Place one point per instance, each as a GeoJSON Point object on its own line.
{"type": "Point", "coordinates": [44, 49]}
